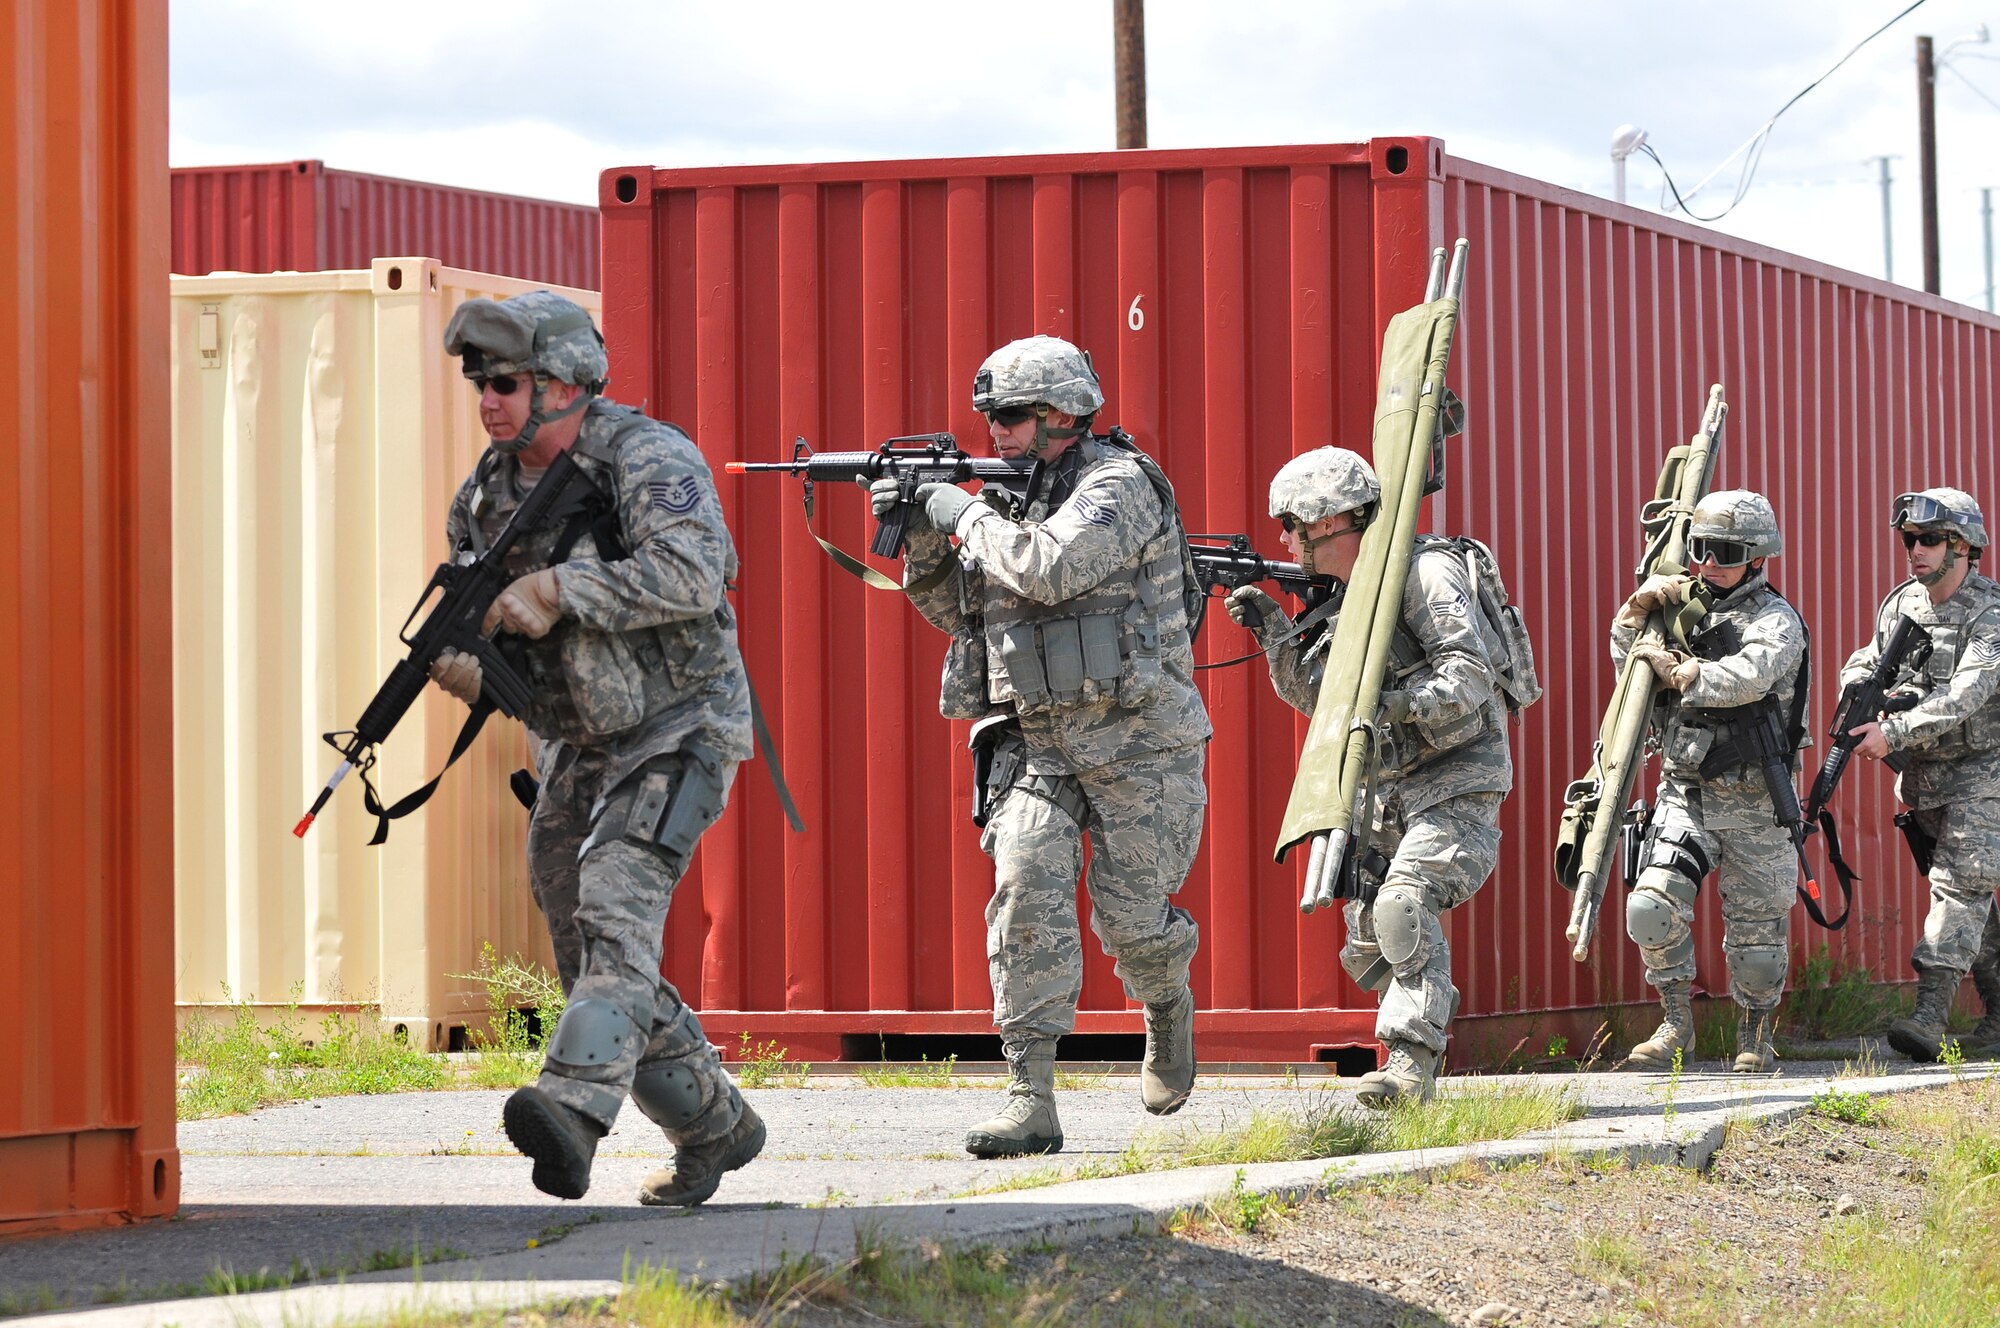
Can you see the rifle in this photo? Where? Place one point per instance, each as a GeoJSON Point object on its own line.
{"type": "Point", "coordinates": [1232, 563]}
{"type": "Point", "coordinates": [1863, 702]}
{"type": "Point", "coordinates": [912, 461]}
{"type": "Point", "coordinates": [464, 592]}
{"type": "Point", "coordinates": [1764, 741]}
{"type": "Point", "coordinates": [1585, 839]}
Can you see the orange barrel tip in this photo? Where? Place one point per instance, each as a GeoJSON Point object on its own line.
{"type": "Point", "coordinates": [305, 824]}
{"type": "Point", "coordinates": [1812, 888]}
{"type": "Point", "coordinates": [734, 468]}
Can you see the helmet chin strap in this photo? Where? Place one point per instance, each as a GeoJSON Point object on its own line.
{"type": "Point", "coordinates": [1044, 435]}
{"type": "Point", "coordinates": [524, 440]}
{"type": "Point", "coordinates": [1945, 564]}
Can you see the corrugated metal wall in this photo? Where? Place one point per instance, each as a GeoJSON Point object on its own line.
{"type": "Point", "coordinates": [320, 431]}
{"type": "Point", "coordinates": [1233, 301]}
{"type": "Point", "coordinates": [86, 787]}
{"type": "Point", "coordinates": [300, 216]}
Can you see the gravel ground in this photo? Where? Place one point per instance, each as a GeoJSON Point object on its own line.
{"type": "Point", "coordinates": [1557, 1243]}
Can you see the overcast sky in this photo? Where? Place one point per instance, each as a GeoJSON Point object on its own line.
{"type": "Point", "coordinates": [537, 97]}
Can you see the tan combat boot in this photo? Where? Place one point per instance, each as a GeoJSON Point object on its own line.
{"type": "Point", "coordinates": [1675, 1033]}
{"type": "Point", "coordinates": [1410, 1076]}
{"type": "Point", "coordinates": [698, 1169]}
{"type": "Point", "coordinates": [1027, 1124]}
{"type": "Point", "coordinates": [1754, 1030]}
{"type": "Point", "coordinates": [1920, 1036]}
{"type": "Point", "coordinates": [1167, 1077]}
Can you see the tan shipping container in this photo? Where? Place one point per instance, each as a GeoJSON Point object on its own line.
{"type": "Point", "coordinates": [319, 433]}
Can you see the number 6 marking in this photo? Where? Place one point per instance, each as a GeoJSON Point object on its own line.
{"type": "Point", "coordinates": [1135, 317]}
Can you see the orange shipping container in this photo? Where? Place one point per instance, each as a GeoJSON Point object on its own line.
{"type": "Point", "coordinates": [86, 702]}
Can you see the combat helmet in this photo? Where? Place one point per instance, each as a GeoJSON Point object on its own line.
{"type": "Point", "coordinates": [1734, 527]}
{"type": "Point", "coordinates": [538, 333]}
{"type": "Point", "coordinates": [1041, 374]}
{"type": "Point", "coordinates": [1325, 482]}
{"type": "Point", "coordinates": [1941, 509]}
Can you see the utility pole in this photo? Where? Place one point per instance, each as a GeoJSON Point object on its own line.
{"type": "Point", "coordinates": [1927, 155]}
{"type": "Point", "coordinates": [1888, 240]}
{"type": "Point", "coordinates": [1986, 224]}
{"type": "Point", "coordinates": [1128, 18]}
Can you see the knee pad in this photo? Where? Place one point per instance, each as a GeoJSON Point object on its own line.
{"type": "Point", "coordinates": [1369, 970]}
{"type": "Point", "coordinates": [591, 1032]}
{"type": "Point", "coordinates": [1649, 919]}
{"type": "Point", "coordinates": [1759, 967]}
{"type": "Point", "coordinates": [1401, 921]}
{"type": "Point", "coordinates": [669, 1093]}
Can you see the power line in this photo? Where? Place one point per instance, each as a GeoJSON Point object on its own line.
{"type": "Point", "coordinates": [1977, 91]}
{"type": "Point", "coordinates": [1754, 146]}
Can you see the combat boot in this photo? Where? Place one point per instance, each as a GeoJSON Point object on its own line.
{"type": "Point", "coordinates": [1984, 1039]}
{"type": "Point", "coordinates": [1027, 1124]}
{"type": "Point", "coordinates": [1410, 1076]}
{"type": "Point", "coordinates": [1167, 1077]}
{"type": "Point", "coordinates": [1754, 1030]}
{"type": "Point", "coordinates": [1675, 1033]}
{"type": "Point", "coordinates": [1920, 1035]}
{"type": "Point", "coordinates": [699, 1168]}
{"type": "Point", "coordinates": [560, 1139]}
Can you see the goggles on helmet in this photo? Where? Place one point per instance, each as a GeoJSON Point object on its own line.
{"type": "Point", "coordinates": [1721, 552]}
{"type": "Point", "coordinates": [1916, 509]}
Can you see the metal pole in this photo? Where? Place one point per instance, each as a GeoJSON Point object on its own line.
{"type": "Point", "coordinates": [1128, 18]}
{"type": "Point", "coordinates": [1927, 151]}
{"type": "Point", "coordinates": [1986, 224]}
{"type": "Point", "coordinates": [1888, 239]}
{"type": "Point", "coordinates": [1618, 178]}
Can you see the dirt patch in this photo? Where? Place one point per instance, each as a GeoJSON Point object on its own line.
{"type": "Point", "coordinates": [1573, 1241]}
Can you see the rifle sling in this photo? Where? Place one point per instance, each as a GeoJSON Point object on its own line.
{"type": "Point", "coordinates": [1841, 872]}
{"type": "Point", "coordinates": [867, 575]}
{"type": "Point", "coordinates": [410, 802]}
{"type": "Point", "coordinates": [1311, 618]}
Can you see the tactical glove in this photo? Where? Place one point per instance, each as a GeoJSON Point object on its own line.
{"type": "Point", "coordinates": [458, 674]}
{"type": "Point", "coordinates": [944, 504]}
{"type": "Point", "coordinates": [883, 494]}
{"type": "Point", "coordinates": [1655, 592]}
{"type": "Point", "coordinates": [1684, 674]}
{"type": "Point", "coordinates": [1250, 607]}
{"type": "Point", "coordinates": [530, 606]}
{"type": "Point", "coordinates": [1661, 660]}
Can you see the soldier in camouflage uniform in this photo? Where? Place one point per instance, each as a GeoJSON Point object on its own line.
{"type": "Point", "coordinates": [1448, 769]}
{"type": "Point", "coordinates": [1950, 742]}
{"type": "Point", "coordinates": [1713, 809]}
{"type": "Point", "coordinates": [1070, 626]}
{"type": "Point", "coordinates": [640, 717]}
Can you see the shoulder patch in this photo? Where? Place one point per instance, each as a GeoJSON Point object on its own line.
{"type": "Point", "coordinates": [1983, 651]}
{"type": "Point", "coordinates": [1454, 605]}
{"type": "Point", "coordinates": [678, 497]}
{"type": "Point", "coordinates": [1092, 511]}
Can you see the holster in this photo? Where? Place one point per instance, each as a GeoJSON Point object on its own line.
{"type": "Point", "coordinates": [1923, 844]}
{"type": "Point", "coordinates": [986, 739]}
{"type": "Point", "coordinates": [1632, 840]}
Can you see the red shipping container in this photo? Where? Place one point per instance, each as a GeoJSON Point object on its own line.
{"type": "Point", "coordinates": [86, 789]}
{"type": "Point", "coordinates": [1233, 300]}
{"type": "Point", "coordinates": [299, 216]}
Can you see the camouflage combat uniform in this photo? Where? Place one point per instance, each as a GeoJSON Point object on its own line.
{"type": "Point", "coordinates": [1751, 644]}
{"type": "Point", "coordinates": [639, 692]}
{"type": "Point", "coordinates": [1117, 757]}
{"type": "Point", "coordinates": [1446, 772]}
{"type": "Point", "coordinates": [1952, 742]}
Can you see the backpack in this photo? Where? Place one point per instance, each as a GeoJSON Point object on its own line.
{"type": "Point", "coordinates": [1514, 662]}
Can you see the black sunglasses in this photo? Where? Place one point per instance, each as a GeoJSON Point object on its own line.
{"type": "Point", "coordinates": [505, 384]}
{"type": "Point", "coordinates": [1930, 539]}
{"type": "Point", "coordinates": [1009, 416]}
{"type": "Point", "coordinates": [1721, 552]}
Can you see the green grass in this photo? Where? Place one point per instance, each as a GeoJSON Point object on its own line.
{"type": "Point", "coordinates": [1829, 1000]}
{"type": "Point", "coordinates": [235, 1065]}
{"type": "Point", "coordinates": [928, 1074]}
{"type": "Point", "coordinates": [510, 1048]}
{"type": "Point", "coordinates": [764, 1065]}
{"type": "Point", "coordinates": [1855, 1108]}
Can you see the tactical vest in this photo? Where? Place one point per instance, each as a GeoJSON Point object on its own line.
{"type": "Point", "coordinates": [1106, 643]}
{"type": "Point", "coordinates": [592, 685]}
{"type": "Point", "coordinates": [1714, 742]}
{"type": "Point", "coordinates": [1948, 642]}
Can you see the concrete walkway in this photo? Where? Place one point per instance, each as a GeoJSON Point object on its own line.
{"type": "Point", "coordinates": [348, 1186]}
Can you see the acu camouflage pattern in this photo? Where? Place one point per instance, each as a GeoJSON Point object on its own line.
{"type": "Point", "coordinates": [1120, 763]}
{"type": "Point", "coordinates": [1738, 514]}
{"type": "Point", "coordinates": [641, 671]}
{"type": "Point", "coordinates": [1037, 371]}
{"type": "Point", "coordinates": [1729, 816]}
{"type": "Point", "coordinates": [1323, 483]}
{"type": "Point", "coordinates": [1952, 740]}
{"type": "Point", "coordinates": [1446, 772]}
{"type": "Point", "coordinates": [501, 335]}
{"type": "Point", "coordinates": [1966, 521]}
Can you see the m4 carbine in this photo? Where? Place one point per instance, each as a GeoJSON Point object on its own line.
{"type": "Point", "coordinates": [463, 592]}
{"type": "Point", "coordinates": [912, 461]}
{"type": "Point", "coordinates": [1864, 702]}
{"type": "Point", "coordinates": [1231, 563]}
